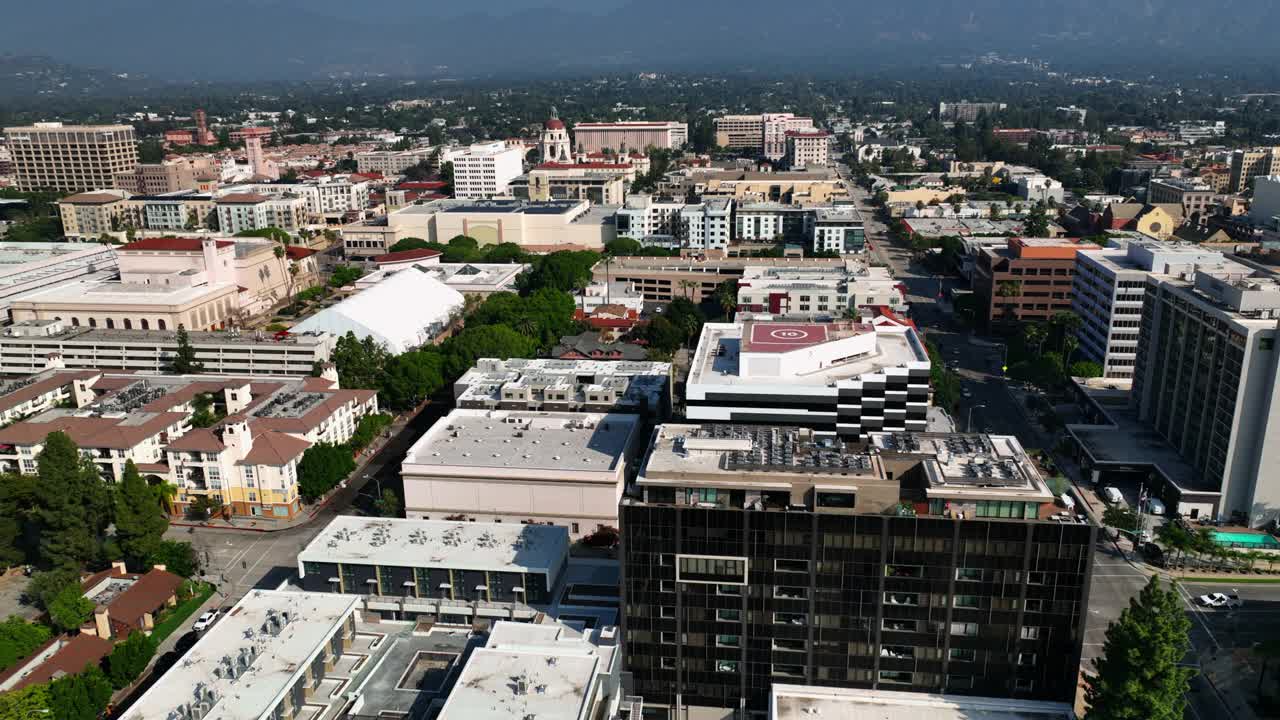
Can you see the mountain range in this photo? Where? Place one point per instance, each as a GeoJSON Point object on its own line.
{"type": "Point", "coordinates": [291, 39]}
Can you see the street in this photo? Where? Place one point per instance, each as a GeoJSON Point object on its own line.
{"type": "Point", "coordinates": [989, 405]}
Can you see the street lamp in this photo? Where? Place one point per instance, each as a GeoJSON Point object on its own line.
{"type": "Point", "coordinates": [968, 425]}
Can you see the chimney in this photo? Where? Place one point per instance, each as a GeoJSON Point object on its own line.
{"type": "Point", "coordinates": [119, 567]}
{"type": "Point", "coordinates": [160, 567]}
{"type": "Point", "coordinates": [54, 361]}
{"type": "Point", "coordinates": [102, 624]}
{"type": "Point", "coordinates": [209, 247]}
{"type": "Point", "coordinates": [329, 371]}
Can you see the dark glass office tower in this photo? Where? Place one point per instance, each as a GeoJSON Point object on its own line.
{"type": "Point", "coordinates": [933, 563]}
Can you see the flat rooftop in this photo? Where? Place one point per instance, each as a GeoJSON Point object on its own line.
{"type": "Point", "coordinates": [411, 670]}
{"type": "Point", "coordinates": [969, 464]}
{"type": "Point", "coordinates": [731, 451]}
{"type": "Point", "coordinates": [493, 547]}
{"type": "Point", "coordinates": [798, 702]}
{"type": "Point", "coordinates": [526, 440]}
{"type": "Point", "coordinates": [118, 293]}
{"type": "Point", "coordinates": [198, 338]}
{"type": "Point", "coordinates": [717, 359]}
{"type": "Point", "coordinates": [280, 630]}
{"type": "Point", "coordinates": [525, 670]}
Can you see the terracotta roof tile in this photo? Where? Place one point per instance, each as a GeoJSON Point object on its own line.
{"type": "Point", "coordinates": [406, 255]}
{"type": "Point", "coordinates": [174, 244]}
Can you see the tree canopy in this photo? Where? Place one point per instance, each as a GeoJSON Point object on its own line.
{"type": "Point", "coordinates": [322, 467]}
{"type": "Point", "coordinates": [74, 504]}
{"type": "Point", "coordinates": [184, 359]}
{"type": "Point", "coordinates": [140, 521]}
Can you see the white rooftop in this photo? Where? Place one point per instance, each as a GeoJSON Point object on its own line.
{"type": "Point", "coordinates": [492, 547]}
{"type": "Point", "coordinates": [526, 440]}
{"type": "Point", "coordinates": [279, 657]}
{"type": "Point", "coordinates": [406, 310]}
{"type": "Point", "coordinates": [463, 277]}
{"type": "Point", "coordinates": [118, 293]}
{"type": "Point", "coordinates": [546, 672]}
{"type": "Point", "coordinates": [799, 702]}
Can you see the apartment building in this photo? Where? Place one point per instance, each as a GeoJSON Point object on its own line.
{"type": "Point", "coordinates": [621, 137]}
{"type": "Point", "coordinates": [808, 148]}
{"type": "Point", "coordinates": [643, 216]}
{"type": "Point", "coordinates": [1109, 288]}
{"type": "Point", "coordinates": [1030, 279]}
{"type": "Point", "coordinates": [1248, 164]}
{"type": "Point", "coordinates": [522, 466]}
{"type": "Point", "coordinates": [392, 162]}
{"type": "Point", "coordinates": [839, 378]}
{"type": "Point", "coordinates": [818, 292]}
{"type": "Point", "coordinates": [1265, 207]}
{"type": "Point", "coordinates": [556, 385]}
{"type": "Point", "coordinates": [483, 171]}
{"type": "Point", "coordinates": [70, 158]}
{"type": "Point", "coordinates": [238, 212]}
{"type": "Point", "coordinates": [166, 176]}
{"type": "Point", "coordinates": [186, 210]}
{"type": "Point", "coordinates": [33, 345]}
{"type": "Point", "coordinates": [765, 133]}
{"type": "Point", "coordinates": [773, 222]}
{"type": "Point", "coordinates": [326, 196]}
{"type": "Point", "coordinates": [1195, 197]}
{"type": "Point", "coordinates": [89, 215]}
{"type": "Point", "coordinates": [707, 225]}
{"type": "Point", "coordinates": [917, 562]}
{"type": "Point", "coordinates": [839, 229]}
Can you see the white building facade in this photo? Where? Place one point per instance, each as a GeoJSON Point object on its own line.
{"type": "Point", "coordinates": [485, 170]}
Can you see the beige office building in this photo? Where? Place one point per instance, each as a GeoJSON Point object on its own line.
{"type": "Point", "coordinates": [88, 215]}
{"type": "Point", "coordinates": [1248, 164]}
{"type": "Point", "coordinates": [625, 136]}
{"type": "Point", "coordinates": [157, 178]}
{"type": "Point", "coordinates": [766, 132]}
{"type": "Point", "coordinates": [70, 158]}
{"type": "Point", "coordinates": [664, 279]}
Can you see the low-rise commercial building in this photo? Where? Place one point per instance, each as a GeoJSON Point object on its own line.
{"type": "Point", "coordinates": [25, 267]}
{"type": "Point", "coordinates": [405, 310]}
{"type": "Point", "coordinates": [467, 278]}
{"type": "Point", "coordinates": [165, 176]}
{"type": "Point", "coordinates": [567, 469]}
{"type": "Point", "coordinates": [392, 162]}
{"type": "Point", "coordinates": [840, 378]}
{"type": "Point", "coordinates": [596, 386]}
{"type": "Point", "coordinates": [808, 148]}
{"type": "Point", "coordinates": [33, 345]}
{"type": "Point", "coordinates": [1029, 279]}
{"type": "Point", "coordinates": [664, 279]}
{"type": "Point", "coordinates": [920, 561]}
{"type": "Point", "coordinates": [1195, 197]}
{"type": "Point", "coordinates": [621, 137]}
{"type": "Point", "coordinates": [268, 658]}
{"type": "Point", "coordinates": [449, 571]}
{"type": "Point", "coordinates": [818, 292]}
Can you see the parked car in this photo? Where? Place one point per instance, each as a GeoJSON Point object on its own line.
{"type": "Point", "coordinates": [1153, 553]}
{"type": "Point", "coordinates": [1112, 495]}
{"type": "Point", "coordinates": [1155, 507]}
{"type": "Point", "coordinates": [205, 621]}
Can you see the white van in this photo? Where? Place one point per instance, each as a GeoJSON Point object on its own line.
{"type": "Point", "coordinates": [1112, 495]}
{"type": "Point", "coordinates": [1155, 507]}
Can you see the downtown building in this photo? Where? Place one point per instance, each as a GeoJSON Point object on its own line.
{"type": "Point", "coordinates": [765, 133]}
{"type": "Point", "coordinates": [621, 137]}
{"type": "Point", "coordinates": [70, 158]}
{"type": "Point", "coordinates": [921, 562]}
{"type": "Point", "coordinates": [839, 378]}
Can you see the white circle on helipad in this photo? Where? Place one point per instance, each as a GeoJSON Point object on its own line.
{"type": "Point", "coordinates": [782, 334]}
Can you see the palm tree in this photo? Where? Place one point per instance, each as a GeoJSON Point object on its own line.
{"type": "Point", "coordinates": [686, 286]}
{"type": "Point", "coordinates": [1035, 334]}
{"type": "Point", "coordinates": [1069, 345]}
{"type": "Point", "coordinates": [166, 492]}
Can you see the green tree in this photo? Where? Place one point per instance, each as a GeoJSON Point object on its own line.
{"type": "Point", "coordinates": [82, 696]}
{"type": "Point", "coordinates": [322, 467]}
{"type": "Point", "coordinates": [1086, 369]}
{"type": "Point", "coordinates": [726, 296]}
{"type": "Point", "coordinates": [388, 505]}
{"type": "Point", "coordinates": [46, 584]}
{"type": "Point", "coordinates": [687, 316]}
{"type": "Point", "coordinates": [129, 658]}
{"type": "Point", "coordinates": [19, 638]}
{"type": "Point", "coordinates": [177, 557]}
{"type": "Point", "coordinates": [271, 233]}
{"type": "Point", "coordinates": [1120, 518]}
{"type": "Point", "coordinates": [413, 243]}
{"type": "Point", "coordinates": [140, 521]}
{"type": "Point", "coordinates": [485, 341]}
{"type": "Point", "coordinates": [367, 429]}
{"type": "Point", "coordinates": [27, 703]}
{"type": "Point", "coordinates": [150, 151]}
{"type": "Point", "coordinates": [360, 362]}
{"type": "Point", "coordinates": [184, 358]}
{"type": "Point", "coordinates": [206, 414]}
{"type": "Point", "coordinates": [344, 275]}
{"type": "Point", "coordinates": [1037, 223]}
{"type": "Point", "coordinates": [411, 378]}
{"type": "Point", "coordinates": [1139, 676]}
{"type": "Point", "coordinates": [1034, 334]}
{"type": "Point", "coordinates": [74, 504]}
{"type": "Point", "coordinates": [663, 336]}
{"type": "Point", "coordinates": [566, 270]}
{"type": "Point", "coordinates": [70, 609]}
{"type": "Point", "coordinates": [622, 246]}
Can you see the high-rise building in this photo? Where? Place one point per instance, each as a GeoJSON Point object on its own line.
{"type": "Point", "coordinates": [808, 148]}
{"type": "Point", "coordinates": [484, 171]}
{"type": "Point", "coordinates": [1248, 164]}
{"type": "Point", "coordinates": [70, 158]}
{"type": "Point", "coordinates": [927, 562]}
{"type": "Point", "coordinates": [1109, 287]}
{"type": "Point", "coordinates": [1028, 280]}
{"type": "Point", "coordinates": [1206, 382]}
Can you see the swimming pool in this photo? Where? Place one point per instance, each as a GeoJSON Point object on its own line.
{"type": "Point", "coordinates": [1245, 540]}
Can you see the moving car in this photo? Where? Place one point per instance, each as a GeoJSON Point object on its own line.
{"type": "Point", "coordinates": [1231, 600]}
{"type": "Point", "coordinates": [205, 621]}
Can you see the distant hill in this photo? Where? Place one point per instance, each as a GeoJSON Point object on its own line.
{"type": "Point", "coordinates": [26, 77]}
{"type": "Point", "coordinates": [279, 39]}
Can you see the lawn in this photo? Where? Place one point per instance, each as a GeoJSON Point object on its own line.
{"type": "Point", "coordinates": [173, 618]}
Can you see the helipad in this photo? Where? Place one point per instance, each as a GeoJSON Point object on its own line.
{"type": "Point", "coordinates": [783, 337]}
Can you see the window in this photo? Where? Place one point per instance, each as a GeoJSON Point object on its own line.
{"type": "Point", "coordinates": [161, 325]}
{"type": "Point", "coordinates": [963, 655]}
{"type": "Point", "coordinates": [969, 574]}
{"type": "Point", "coordinates": [667, 638]}
{"type": "Point", "coordinates": [966, 601]}
{"type": "Point", "coordinates": [128, 324]}
{"type": "Point", "coordinates": [1035, 605]}
{"type": "Point", "coordinates": [111, 324]}
{"type": "Point", "coordinates": [728, 615]}
{"type": "Point", "coordinates": [897, 677]}
{"type": "Point", "coordinates": [900, 598]}
{"type": "Point", "coordinates": [1036, 578]}
{"type": "Point", "coordinates": [843, 501]}
{"type": "Point", "coordinates": [702, 495]}
{"type": "Point", "coordinates": [574, 529]}
{"type": "Point", "coordinates": [1026, 659]}
{"type": "Point", "coordinates": [1030, 633]}
{"type": "Point", "coordinates": [75, 322]}
{"type": "Point", "coordinates": [666, 586]}
{"type": "Point", "coordinates": [788, 670]}
{"type": "Point", "coordinates": [1021, 685]}
{"type": "Point", "coordinates": [666, 611]}
{"type": "Point", "coordinates": [900, 625]}
{"type": "Point", "coordinates": [1266, 344]}
{"type": "Point", "coordinates": [728, 641]}
{"type": "Point", "coordinates": [791, 565]}
{"type": "Point", "coordinates": [145, 325]}
{"type": "Point", "coordinates": [729, 590]}
{"type": "Point", "coordinates": [727, 666]}
{"type": "Point", "coordinates": [960, 682]}
{"type": "Point", "coordinates": [93, 322]}
{"type": "Point", "coordinates": [965, 629]}
{"type": "Point", "coordinates": [711, 569]}
{"type": "Point", "coordinates": [782, 618]}
{"type": "Point", "coordinates": [249, 478]}
{"type": "Point", "coordinates": [667, 663]}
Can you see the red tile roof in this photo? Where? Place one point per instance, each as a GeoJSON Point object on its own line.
{"type": "Point", "coordinates": [297, 253]}
{"type": "Point", "coordinates": [199, 439]}
{"type": "Point", "coordinates": [422, 185]}
{"type": "Point", "coordinates": [582, 166]}
{"type": "Point", "coordinates": [243, 199]}
{"type": "Point", "coordinates": [554, 124]}
{"type": "Point", "coordinates": [407, 255]}
{"type": "Point", "coordinates": [72, 656]}
{"type": "Point", "coordinates": [172, 244]}
{"type": "Point", "coordinates": [147, 594]}
{"type": "Point", "coordinates": [275, 449]}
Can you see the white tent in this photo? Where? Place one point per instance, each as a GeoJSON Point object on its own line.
{"type": "Point", "coordinates": [404, 311]}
